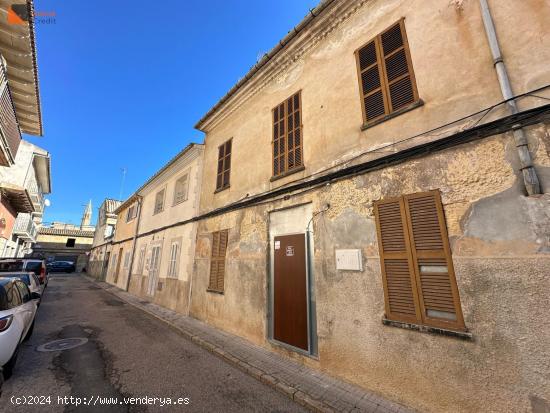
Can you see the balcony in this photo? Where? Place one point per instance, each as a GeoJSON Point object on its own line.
{"type": "Point", "coordinates": [10, 134]}
{"type": "Point", "coordinates": [25, 228]}
{"type": "Point", "coordinates": [36, 195]}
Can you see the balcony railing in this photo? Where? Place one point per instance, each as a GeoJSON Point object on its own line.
{"type": "Point", "coordinates": [10, 134]}
{"type": "Point", "coordinates": [36, 194]}
{"type": "Point", "coordinates": [25, 227]}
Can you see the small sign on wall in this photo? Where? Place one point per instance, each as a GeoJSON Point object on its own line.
{"type": "Point", "coordinates": [349, 260]}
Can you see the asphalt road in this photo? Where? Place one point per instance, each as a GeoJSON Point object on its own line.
{"type": "Point", "coordinates": [128, 354]}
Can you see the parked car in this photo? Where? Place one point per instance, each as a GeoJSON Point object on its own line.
{"type": "Point", "coordinates": [29, 278]}
{"type": "Point", "coordinates": [35, 265]}
{"type": "Point", "coordinates": [17, 312]}
{"type": "Point", "coordinates": [61, 266]}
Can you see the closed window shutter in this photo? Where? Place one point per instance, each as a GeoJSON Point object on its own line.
{"type": "Point", "coordinates": [396, 262]}
{"type": "Point", "coordinates": [371, 83]}
{"type": "Point", "coordinates": [287, 136]}
{"type": "Point", "coordinates": [213, 283]}
{"type": "Point", "coordinates": [437, 288]}
{"type": "Point", "coordinates": [224, 166]}
{"type": "Point", "coordinates": [399, 83]}
{"type": "Point", "coordinates": [386, 77]}
{"type": "Point", "coordinates": [217, 261]}
{"type": "Point", "coordinates": [417, 269]}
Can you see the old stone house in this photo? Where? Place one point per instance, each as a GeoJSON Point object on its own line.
{"type": "Point", "coordinates": [103, 236]}
{"type": "Point", "coordinates": [123, 242]}
{"type": "Point", "coordinates": [375, 205]}
{"type": "Point", "coordinates": [164, 251]}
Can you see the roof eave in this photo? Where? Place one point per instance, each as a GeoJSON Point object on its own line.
{"type": "Point", "coordinates": [306, 21]}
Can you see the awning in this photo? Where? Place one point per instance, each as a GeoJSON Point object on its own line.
{"type": "Point", "coordinates": [17, 46]}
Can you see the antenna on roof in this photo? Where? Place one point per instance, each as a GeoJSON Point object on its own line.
{"type": "Point", "coordinates": [122, 183]}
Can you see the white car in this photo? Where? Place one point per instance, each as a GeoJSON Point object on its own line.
{"type": "Point", "coordinates": [17, 310]}
{"type": "Point", "coordinates": [29, 278]}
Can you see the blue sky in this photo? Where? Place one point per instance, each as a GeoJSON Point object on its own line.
{"type": "Point", "coordinates": [122, 83]}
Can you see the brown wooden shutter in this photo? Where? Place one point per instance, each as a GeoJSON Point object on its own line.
{"type": "Point", "coordinates": [436, 283]}
{"type": "Point", "coordinates": [217, 261]}
{"type": "Point", "coordinates": [417, 268]}
{"type": "Point", "coordinates": [386, 77]}
{"type": "Point", "coordinates": [396, 262]}
{"type": "Point", "coordinates": [224, 165]}
{"type": "Point", "coordinates": [287, 135]}
{"type": "Point", "coordinates": [398, 68]}
{"type": "Point", "coordinates": [212, 284]}
{"type": "Point", "coordinates": [372, 88]}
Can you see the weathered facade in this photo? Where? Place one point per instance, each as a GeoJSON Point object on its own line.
{"type": "Point", "coordinates": [100, 254]}
{"type": "Point", "coordinates": [23, 187]}
{"type": "Point", "coordinates": [122, 250]}
{"type": "Point", "coordinates": [165, 244]}
{"type": "Point", "coordinates": [395, 247]}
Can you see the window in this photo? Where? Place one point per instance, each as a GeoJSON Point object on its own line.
{"type": "Point", "coordinates": [417, 269]}
{"type": "Point", "coordinates": [217, 261]}
{"type": "Point", "coordinates": [224, 166]}
{"type": "Point", "coordinates": [131, 213]}
{"type": "Point", "coordinates": [127, 260]}
{"type": "Point", "coordinates": [386, 77]}
{"type": "Point", "coordinates": [70, 242]}
{"type": "Point", "coordinates": [141, 259]}
{"type": "Point", "coordinates": [287, 136]}
{"type": "Point", "coordinates": [180, 189]}
{"type": "Point", "coordinates": [23, 291]}
{"type": "Point", "coordinates": [13, 297]}
{"type": "Point", "coordinates": [159, 201]}
{"type": "Point", "coordinates": [174, 260]}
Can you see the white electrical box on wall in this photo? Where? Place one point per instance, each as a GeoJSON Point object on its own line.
{"type": "Point", "coordinates": [349, 260]}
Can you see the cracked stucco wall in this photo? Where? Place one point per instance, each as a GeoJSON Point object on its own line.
{"type": "Point", "coordinates": [500, 244]}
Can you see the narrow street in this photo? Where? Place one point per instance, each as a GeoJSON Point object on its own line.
{"type": "Point", "coordinates": [128, 354]}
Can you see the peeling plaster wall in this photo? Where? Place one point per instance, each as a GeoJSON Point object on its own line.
{"type": "Point", "coordinates": [500, 242]}
{"type": "Point", "coordinates": [454, 73]}
{"type": "Point", "coordinates": [499, 238]}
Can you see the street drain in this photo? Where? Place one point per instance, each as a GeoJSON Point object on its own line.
{"type": "Point", "coordinates": [63, 344]}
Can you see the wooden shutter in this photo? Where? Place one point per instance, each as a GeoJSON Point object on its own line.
{"type": "Point", "coordinates": [386, 76]}
{"type": "Point", "coordinates": [224, 165]}
{"type": "Point", "coordinates": [398, 274]}
{"type": "Point", "coordinates": [287, 135]}
{"type": "Point", "coordinates": [217, 261]}
{"type": "Point", "coordinates": [417, 269]}
{"type": "Point", "coordinates": [431, 253]}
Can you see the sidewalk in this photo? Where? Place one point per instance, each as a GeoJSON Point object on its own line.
{"type": "Point", "coordinates": [306, 386]}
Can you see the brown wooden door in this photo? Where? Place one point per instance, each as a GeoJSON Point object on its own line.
{"type": "Point", "coordinates": [118, 265]}
{"type": "Point", "coordinates": [290, 291]}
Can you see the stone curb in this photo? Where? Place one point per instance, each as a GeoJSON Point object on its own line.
{"type": "Point", "coordinates": [299, 396]}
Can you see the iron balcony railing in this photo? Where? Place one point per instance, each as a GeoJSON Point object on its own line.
{"type": "Point", "coordinates": [25, 227]}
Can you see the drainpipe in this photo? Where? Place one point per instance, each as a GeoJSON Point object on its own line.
{"type": "Point", "coordinates": [530, 178]}
{"type": "Point", "coordinates": [139, 200]}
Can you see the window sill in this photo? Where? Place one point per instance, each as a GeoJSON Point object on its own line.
{"type": "Point", "coordinates": [208, 290]}
{"type": "Point", "coordinates": [287, 173]}
{"type": "Point", "coordinates": [158, 212]}
{"type": "Point", "coordinates": [222, 189]}
{"type": "Point", "coordinates": [392, 115]}
{"type": "Point", "coordinates": [463, 335]}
